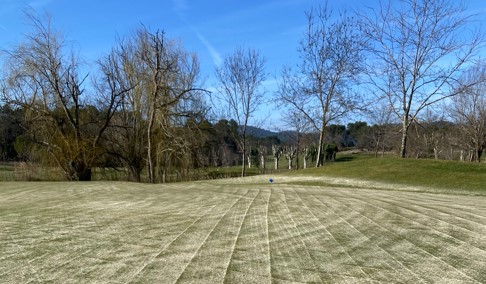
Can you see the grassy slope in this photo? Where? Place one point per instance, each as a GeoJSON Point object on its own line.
{"type": "Point", "coordinates": [451, 175]}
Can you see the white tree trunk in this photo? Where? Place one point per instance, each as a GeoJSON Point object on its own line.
{"type": "Point", "coordinates": [262, 163]}
{"type": "Point", "coordinates": [436, 153]}
{"type": "Point", "coordinates": [403, 146]}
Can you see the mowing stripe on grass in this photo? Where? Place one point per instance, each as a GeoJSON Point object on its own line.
{"type": "Point", "coordinates": [172, 262]}
{"type": "Point", "coordinates": [381, 239]}
{"type": "Point", "coordinates": [414, 234]}
{"type": "Point", "coordinates": [433, 221]}
{"type": "Point", "coordinates": [238, 231]}
{"type": "Point", "coordinates": [450, 249]}
{"type": "Point", "coordinates": [237, 237]}
{"type": "Point", "coordinates": [357, 247]}
{"type": "Point", "coordinates": [375, 270]}
{"type": "Point", "coordinates": [291, 253]}
{"type": "Point", "coordinates": [472, 223]}
{"type": "Point", "coordinates": [250, 254]}
{"type": "Point", "coordinates": [11, 270]}
{"type": "Point", "coordinates": [162, 249]}
{"type": "Point", "coordinates": [210, 262]}
{"type": "Point", "coordinates": [426, 217]}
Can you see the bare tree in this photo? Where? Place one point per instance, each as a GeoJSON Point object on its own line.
{"type": "Point", "coordinates": [290, 153]}
{"type": "Point", "coordinates": [299, 125]}
{"type": "Point", "coordinates": [418, 49]}
{"type": "Point", "coordinates": [44, 80]}
{"type": "Point", "coordinates": [331, 59]}
{"type": "Point", "coordinates": [468, 109]}
{"type": "Point", "coordinates": [240, 79]}
{"type": "Point", "coordinates": [380, 115]}
{"type": "Point", "coordinates": [173, 96]}
{"type": "Point", "coordinates": [164, 95]}
{"type": "Point", "coordinates": [307, 152]}
{"type": "Point", "coordinates": [277, 153]}
{"type": "Point", "coordinates": [126, 138]}
{"type": "Point", "coordinates": [431, 134]}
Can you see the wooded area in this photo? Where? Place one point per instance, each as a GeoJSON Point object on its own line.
{"type": "Point", "coordinates": [413, 73]}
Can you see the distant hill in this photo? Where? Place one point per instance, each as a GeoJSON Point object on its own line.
{"type": "Point", "coordinates": [284, 136]}
{"type": "Point", "coordinates": [260, 132]}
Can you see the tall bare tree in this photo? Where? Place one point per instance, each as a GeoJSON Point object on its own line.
{"type": "Point", "coordinates": [44, 80]}
{"type": "Point", "coordinates": [240, 79]}
{"type": "Point", "coordinates": [331, 60]}
{"type": "Point", "coordinates": [171, 75]}
{"type": "Point", "coordinates": [164, 94]}
{"type": "Point", "coordinates": [126, 136]}
{"type": "Point", "coordinates": [417, 51]}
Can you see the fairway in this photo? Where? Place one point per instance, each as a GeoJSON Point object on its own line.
{"type": "Point", "coordinates": [238, 231]}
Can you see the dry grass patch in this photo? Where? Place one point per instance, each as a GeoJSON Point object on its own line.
{"type": "Point", "coordinates": [238, 231]}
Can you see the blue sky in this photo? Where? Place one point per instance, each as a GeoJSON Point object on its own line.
{"type": "Point", "coordinates": [212, 29]}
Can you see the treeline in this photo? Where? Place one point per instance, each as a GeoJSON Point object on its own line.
{"type": "Point", "coordinates": [194, 148]}
{"type": "Point", "coordinates": [210, 146]}
{"type": "Point", "coordinates": [432, 139]}
{"type": "Point", "coordinates": [191, 146]}
{"type": "Point", "coordinates": [412, 70]}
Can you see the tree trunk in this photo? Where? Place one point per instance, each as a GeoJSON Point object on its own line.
{"type": "Point", "coordinates": [403, 147]}
{"type": "Point", "coordinates": [320, 147]}
{"type": "Point", "coordinates": [297, 160]}
{"type": "Point", "coordinates": [134, 174]}
{"type": "Point", "coordinates": [150, 159]}
{"type": "Point", "coordinates": [85, 174]}
{"type": "Point", "coordinates": [377, 147]}
{"type": "Point", "coordinates": [164, 175]}
{"type": "Point", "coordinates": [243, 166]}
{"type": "Point", "coordinates": [479, 154]}
{"type": "Point", "coordinates": [262, 163]}
{"type": "Point", "coordinates": [297, 148]}
{"type": "Point", "coordinates": [78, 171]}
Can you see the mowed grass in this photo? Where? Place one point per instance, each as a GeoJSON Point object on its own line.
{"type": "Point", "coordinates": [237, 231]}
{"type": "Point", "coordinates": [453, 176]}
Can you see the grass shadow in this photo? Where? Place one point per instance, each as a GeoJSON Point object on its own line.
{"type": "Point", "coordinates": [345, 159]}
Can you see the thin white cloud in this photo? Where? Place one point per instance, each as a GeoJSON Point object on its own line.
{"type": "Point", "coordinates": [212, 51]}
{"type": "Point", "coordinates": [180, 7]}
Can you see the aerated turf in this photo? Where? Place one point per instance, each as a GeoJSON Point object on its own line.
{"type": "Point", "coordinates": [238, 231]}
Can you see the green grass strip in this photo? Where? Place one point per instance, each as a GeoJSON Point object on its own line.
{"type": "Point", "coordinates": [449, 175]}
